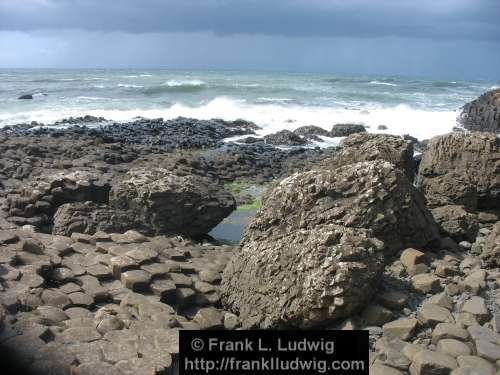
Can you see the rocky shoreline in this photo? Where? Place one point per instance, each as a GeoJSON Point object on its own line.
{"type": "Point", "coordinates": [105, 252]}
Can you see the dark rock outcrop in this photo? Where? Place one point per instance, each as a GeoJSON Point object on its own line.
{"type": "Point", "coordinates": [367, 147]}
{"type": "Point", "coordinates": [26, 97]}
{"type": "Point", "coordinates": [169, 203]}
{"type": "Point", "coordinates": [316, 248]}
{"type": "Point", "coordinates": [344, 130]}
{"type": "Point", "coordinates": [179, 133]}
{"type": "Point", "coordinates": [284, 138]}
{"type": "Point", "coordinates": [311, 132]}
{"type": "Point", "coordinates": [89, 218]}
{"type": "Point", "coordinates": [483, 113]}
{"type": "Point", "coordinates": [462, 169]}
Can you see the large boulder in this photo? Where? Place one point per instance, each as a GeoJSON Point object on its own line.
{"type": "Point", "coordinates": [89, 218]}
{"type": "Point", "coordinates": [315, 250]}
{"type": "Point", "coordinates": [462, 169]}
{"type": "Point", "coordinates": [367, 147]}
{"type": "Point", "coordinates": [169, 203]}
{"type": "Point", "coordinates": [491, 247]}
{"type": "Point", "coordinates": [483, 113]}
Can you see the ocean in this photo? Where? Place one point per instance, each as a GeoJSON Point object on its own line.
{"type": "Point", "coordinates": [275, 101]}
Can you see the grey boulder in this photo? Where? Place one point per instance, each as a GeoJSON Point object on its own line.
{"type": "Point", "coordinates": [169, 203]}
{"type": "Point", "coordinates": [462, 169]}
{"type": "Point", "coordinates": [315, 250]}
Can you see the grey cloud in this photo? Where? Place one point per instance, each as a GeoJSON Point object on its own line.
{"type": "Point", "coordinates": [441, 19]}
{"type": "Point", "coordinates": [203, 50]}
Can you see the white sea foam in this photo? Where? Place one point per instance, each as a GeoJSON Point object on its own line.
{"type": "Point", "coordinates": [382, 83]}
{"type": "Point", "coordinates": [246, 85]}
{"type": "Point", "coordinates": [279, 100]}
{"type": "Point", "coordinates": [187, 83]}
{"type": "Point", "coordinates": [90, 98]}
{"type": "Point", "coordinates": [399, 120]}
{"type": "Point", "coordinates": [137, 75]}
{"type": "Point", "coordinates": [128, 86]}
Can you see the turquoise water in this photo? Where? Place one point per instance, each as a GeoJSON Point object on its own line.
{"type": "Point", "coordinates": [273, 100]}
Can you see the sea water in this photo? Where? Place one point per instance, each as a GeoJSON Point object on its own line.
{"type": "Point", "coordinates": [274, 101]}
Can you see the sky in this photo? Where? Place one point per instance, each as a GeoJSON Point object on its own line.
{"type": "Point", "coordinates": [436, 38]}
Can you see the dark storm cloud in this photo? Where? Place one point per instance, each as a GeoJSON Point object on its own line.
{"type": "Point", "coordinates": [443, 19]}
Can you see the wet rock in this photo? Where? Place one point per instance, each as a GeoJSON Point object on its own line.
{"type": "Point", "coordinates": [344, 130]}
{"type": "Point", "coordinates": [311, 132]}
{"type": "Point", "coordinates": [284, 138]}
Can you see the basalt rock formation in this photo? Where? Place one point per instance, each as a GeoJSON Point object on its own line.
{"type": "Point", "coordinates": [368, 147]}
{"type": "Point", "coordinates": [316, 248]}
{"type": "Point", "coordinates": [169, 203]}
{"type": "Point", "coordinates": [483, 113]}
{"type": "Point", "coordinates": [462, 169]}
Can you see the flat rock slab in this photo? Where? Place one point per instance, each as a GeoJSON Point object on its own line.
{"type": "Point", "coordinates": [80, 334]}
{"type": "Point", "coordinates": [118, 351]}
